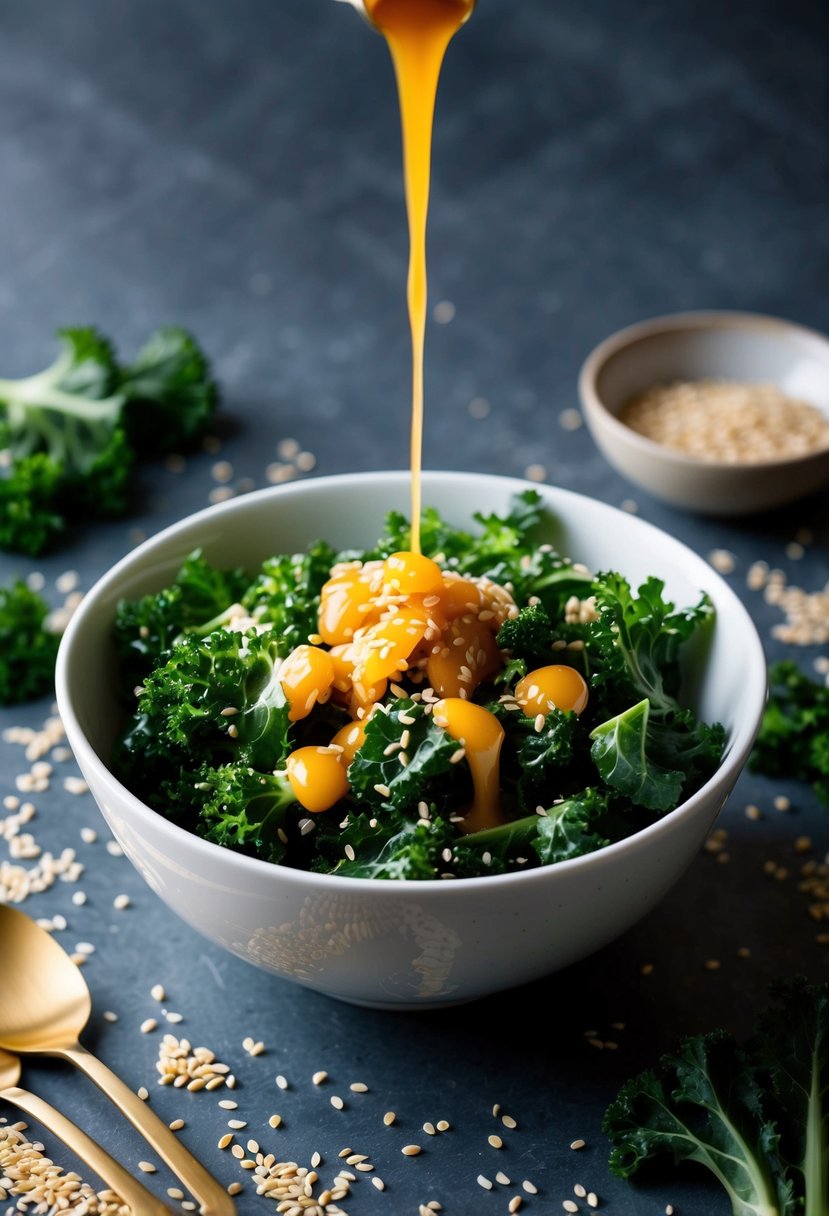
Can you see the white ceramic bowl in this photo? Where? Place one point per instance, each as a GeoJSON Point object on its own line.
{"type": "Point", "coordinates": [697, 346]}
{"type": "Point", "coordinates": [380, 942]}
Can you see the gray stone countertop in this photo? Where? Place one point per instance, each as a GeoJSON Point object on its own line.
{"type": "Point", "coordinates": [235, 168]}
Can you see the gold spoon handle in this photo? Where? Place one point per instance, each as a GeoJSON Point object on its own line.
{"type": "Point", "coordinates": [140, 1200]}
{"type": "Point", "coordinates": [213, 1198]}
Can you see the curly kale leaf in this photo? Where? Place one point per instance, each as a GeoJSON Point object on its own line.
{"type": "Point", "coordinates": [567, 829]}
{"type": "Point", "coordinates": [214, 697]}
{"type": "Point", "coordinates": [30, 519]}
{"type": "Point", "coordinates": [640, 638]}
{"type": "Point", "coordinates": [70, 446]}
{"type": "Point", "coordinates": [145, 629]}
{"type": "Point", "coordinates": [388, 847]}
{"type": "Point", "coordinates": [285, 594]}
{"type": "Point", "coordinates": [792, 1051]}
{"type": "Point", "coordinates": [169, 394]}
{"type": "Point", "coordinates": [706, 1106]}
{"type": "Point", "coordinates": [756, 1116]}
{"type": "Point", "coordinates": [245, 810]}
{"type": "Point", "coordinates": [429, 752]}
{"type": "Point", "coordinates": [27, 646]}
{"type": "Point", "coordinates": [794, 735]}
{"type": "Point", "coordinates": [620, 754]}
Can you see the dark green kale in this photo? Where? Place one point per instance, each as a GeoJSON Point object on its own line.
{"type": "Point", "coordinates": [388, 846]}
{"type": "Point", "coordinates": [794, 734]}
{"type": "Point", "coordinates": [65, 429]}
{"type": "Point", "coordinates": [429, 774]}
{"type": "Point", "coordinates": [214, 698]}
{"type": "Point", "coordinates": [567, 829]}
{"type": "Point", "coordinates": [620, 753]}
{"type": "Point", "coordinates": [756, 1116]}
{"type": "Point", "coordinates": [27, 646]}
{"type": "Point", "coordinates": [169, 393]}
{"type": "Point", "coordinates": [286, 593]}
{"type": "Point", "coordinates": [244, 810]}
{"type": "Point", "coordinates": [145, 629]}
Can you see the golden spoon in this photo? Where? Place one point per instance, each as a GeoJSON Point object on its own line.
{"type": "Point", "coordinates": [44, 1006]}
{"type": "Point", "coordinates": [140, 1200]}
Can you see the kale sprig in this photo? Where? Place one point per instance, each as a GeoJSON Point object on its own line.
{"type": "Point", "coordinates": [72, 432]}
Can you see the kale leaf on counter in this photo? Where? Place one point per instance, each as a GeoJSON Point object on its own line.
{"type": "Point", "coordinates": [72, 432]}
{"type": "Point", "coordinates": [793, 740]}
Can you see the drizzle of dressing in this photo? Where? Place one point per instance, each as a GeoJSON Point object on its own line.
{"type": "Point", "coordinates": [418, 33]}
{"type": "Point", "coordinates": [480, 734]}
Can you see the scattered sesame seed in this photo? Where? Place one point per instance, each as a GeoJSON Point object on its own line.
{"type": "Point", "coordinates": [157, 992]}
{"type": "Point", "coordinates": [275, 1121]}
{"type": "Point", "coordinates": [442, 1125]}
{"type": "Point", "coordinates": [176, 1125]}
{"type": "Point", "coordinates": [535, 472]}
{"type": "Point", "coordinates": [579, 1191]}
{"type": "Point", "coordinates": [225, 1140]}
{"type": "Point", "coordinates": [79, 898]}
{"type": "Point", "coordinates": [357, 1087]}
{"type": "Point", "coordinates": [89, 835]}
{"type": "Point", "coordinates": [515, 1203]}
{"type": "Point", "coordinates": [592, 1199]}
{"type": "Point", "coordinates": [175, 1192]}
{"type": "Point", "coordinates": [502, 1178]}
{"type": "Point", "coordinates": [389, 1118]}
{"type": "Point", "coordinates": [529, 1187]}
{"type": "Point", "coordinates": [235, 1188]}
{"type": "Point", "coordinates": [228, 1104]}
{"type": "Point", "coordinates": [577, 1144]}
{"type": "Point", "coordinates": [712, 964]}
{"type": "Point", "coordinates": [147, 1167]}
{"type": "Point", "coordinates": [570, 1205]}
{"type": "Point", "coordinates": [336, 1102]}
{"type": "Point", "coordinates": [379, 1183]}
{"type": "Point", "coordinates": [237, 1124]}
{"type": "Point", "coordinates": [281, 1081]}
{"type": "Point", "coordinates": [148, 1025]}
{"type": "Point", "coordinates": [114, 849]}
{"type": "Point", "coordinates": [484, 1182]}
{"type": "Point", "coordinates": [495, 1141]}
{"type": "Point", "coordinates": [121, 902]}
{"type": "Point", "coordinates": [109, 1016]}
{"type": "Point", "coordinates": [143, 1093]}
{"type": "Point", "coordinates": [508, 1121]}
{"type": "Point", "coordinates": [410, 1150]}
{"type": "Point", "coordinates": [319, 1077]}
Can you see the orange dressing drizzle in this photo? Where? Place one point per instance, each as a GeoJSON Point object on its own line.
{"type": "Point", "coordinates": [480, 734]}
{"type": "Point", "coordinates": [555, 687]}
{"type": "Point", "coordinates": [418, 33]}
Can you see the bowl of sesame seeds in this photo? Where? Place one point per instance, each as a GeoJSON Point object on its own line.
{"type": "Point", "coordinates": [391, 943]}
{"type": "Point", "coordinates": [722, 413]}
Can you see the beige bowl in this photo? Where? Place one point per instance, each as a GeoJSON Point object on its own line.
{"type": "Point", "coordinates": [697, 346]}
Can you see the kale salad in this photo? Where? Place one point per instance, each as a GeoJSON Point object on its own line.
{"type": "Point", "coordinates": [483, 706]}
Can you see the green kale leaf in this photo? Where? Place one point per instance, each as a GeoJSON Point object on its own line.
{"type": "Point", "coordinates": [27, 646]}
{"type": "Point", "coordinates": [794, 734]}
{"type": "Point", "coordinates": [620, 754]}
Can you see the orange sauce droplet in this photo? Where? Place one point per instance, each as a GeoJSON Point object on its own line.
{"type": "Point", "coordinates": [480, 734]}
{"type": "Point", "coordinates": [467, 654]}
{"type": "Point", "coordinates": [418, 33]}
{"type": "Point", "coordinates": [350, 738]}
{"type": "Point", "coordinates": [555, 687]}
{"type": "Point", "coordinates": [317, 776]}
{"type": "Point", "coordinates": [306, 676]}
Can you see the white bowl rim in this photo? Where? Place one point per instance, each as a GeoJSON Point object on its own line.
{"type": "Point", "coordinates": [677, 322]}
{"type": "Point", "coordinates": [741, 741]}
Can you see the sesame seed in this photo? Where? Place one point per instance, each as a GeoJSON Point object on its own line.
{"type": "Point", "coordinates": [410, 1150]}
{"type": "Point", "coordinates": [275, 1121]}
{"type": "Point", "coordinates": [281, 1082]}
{"type": "Point", "coordinates": [238, 1152]}
{"type": "Point", "coordinates": [529, 1187]}
{"type": "Point", "coordinates": [495, 1141]}
{"type": "Point", "coordinates": [484, 1182]}
{"type": "Point", "coordinates": [515, 1203]}
{"type": "Point", "coordinates": [579, 1191]}
{"type": "Point", "coordinates": [237, 1124]}
{"type": "Point", "coordinates": [147, 1167]}
{"type": "Point", "coordinates": [143, 1093]}
{"type": "Point", "coordinates": [379, 1183]}
{"type": "Point", "coordinates": [235, 1188]}
{"type": "Point", "coordinates": [389, 1118]}
{"type": "Point", "coordinates": [577, 1144]}
{"type": "Point", "coordinates": [175, 1192]}
{"type": "Point", "coordinates": [442, 1125]}
{"type": "Point", "coordinates": [121, 902]}
{"type": "Point", "coordinates": [570, 1205]}
{"type": "Point", "coordinates": [336, 1102]}
{"type": "Point", "coordinates": [508, 1121]}
{"type": "Point", "coordinates": [357, 1087]}
{"type": "Point", "coordinates": [502, 1178]}
{"type": "Point", "coordinates": [319, 1077]}
{"type": "Point", "coordinates": [429, 1129]}
{"type": "Point", "coordinates": [148, 1025]}
{"type": "Point", "coordinates": [109, 1016]}
{"type": "Point", "coordinates": [225, 1140]}
{"type": "Point", "coordinates": [176, 1125]}
{"type": "Point", "coordinates": [228, 1104]}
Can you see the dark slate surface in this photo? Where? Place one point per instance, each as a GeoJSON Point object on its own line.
{"type": "Point", "coordinates": [235, 168]}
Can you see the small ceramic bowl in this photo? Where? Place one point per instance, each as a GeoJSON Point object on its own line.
{"type": "Point", "coordinates": [381, 942]}
{"type": "Point", "coordinates": [698, 346]}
